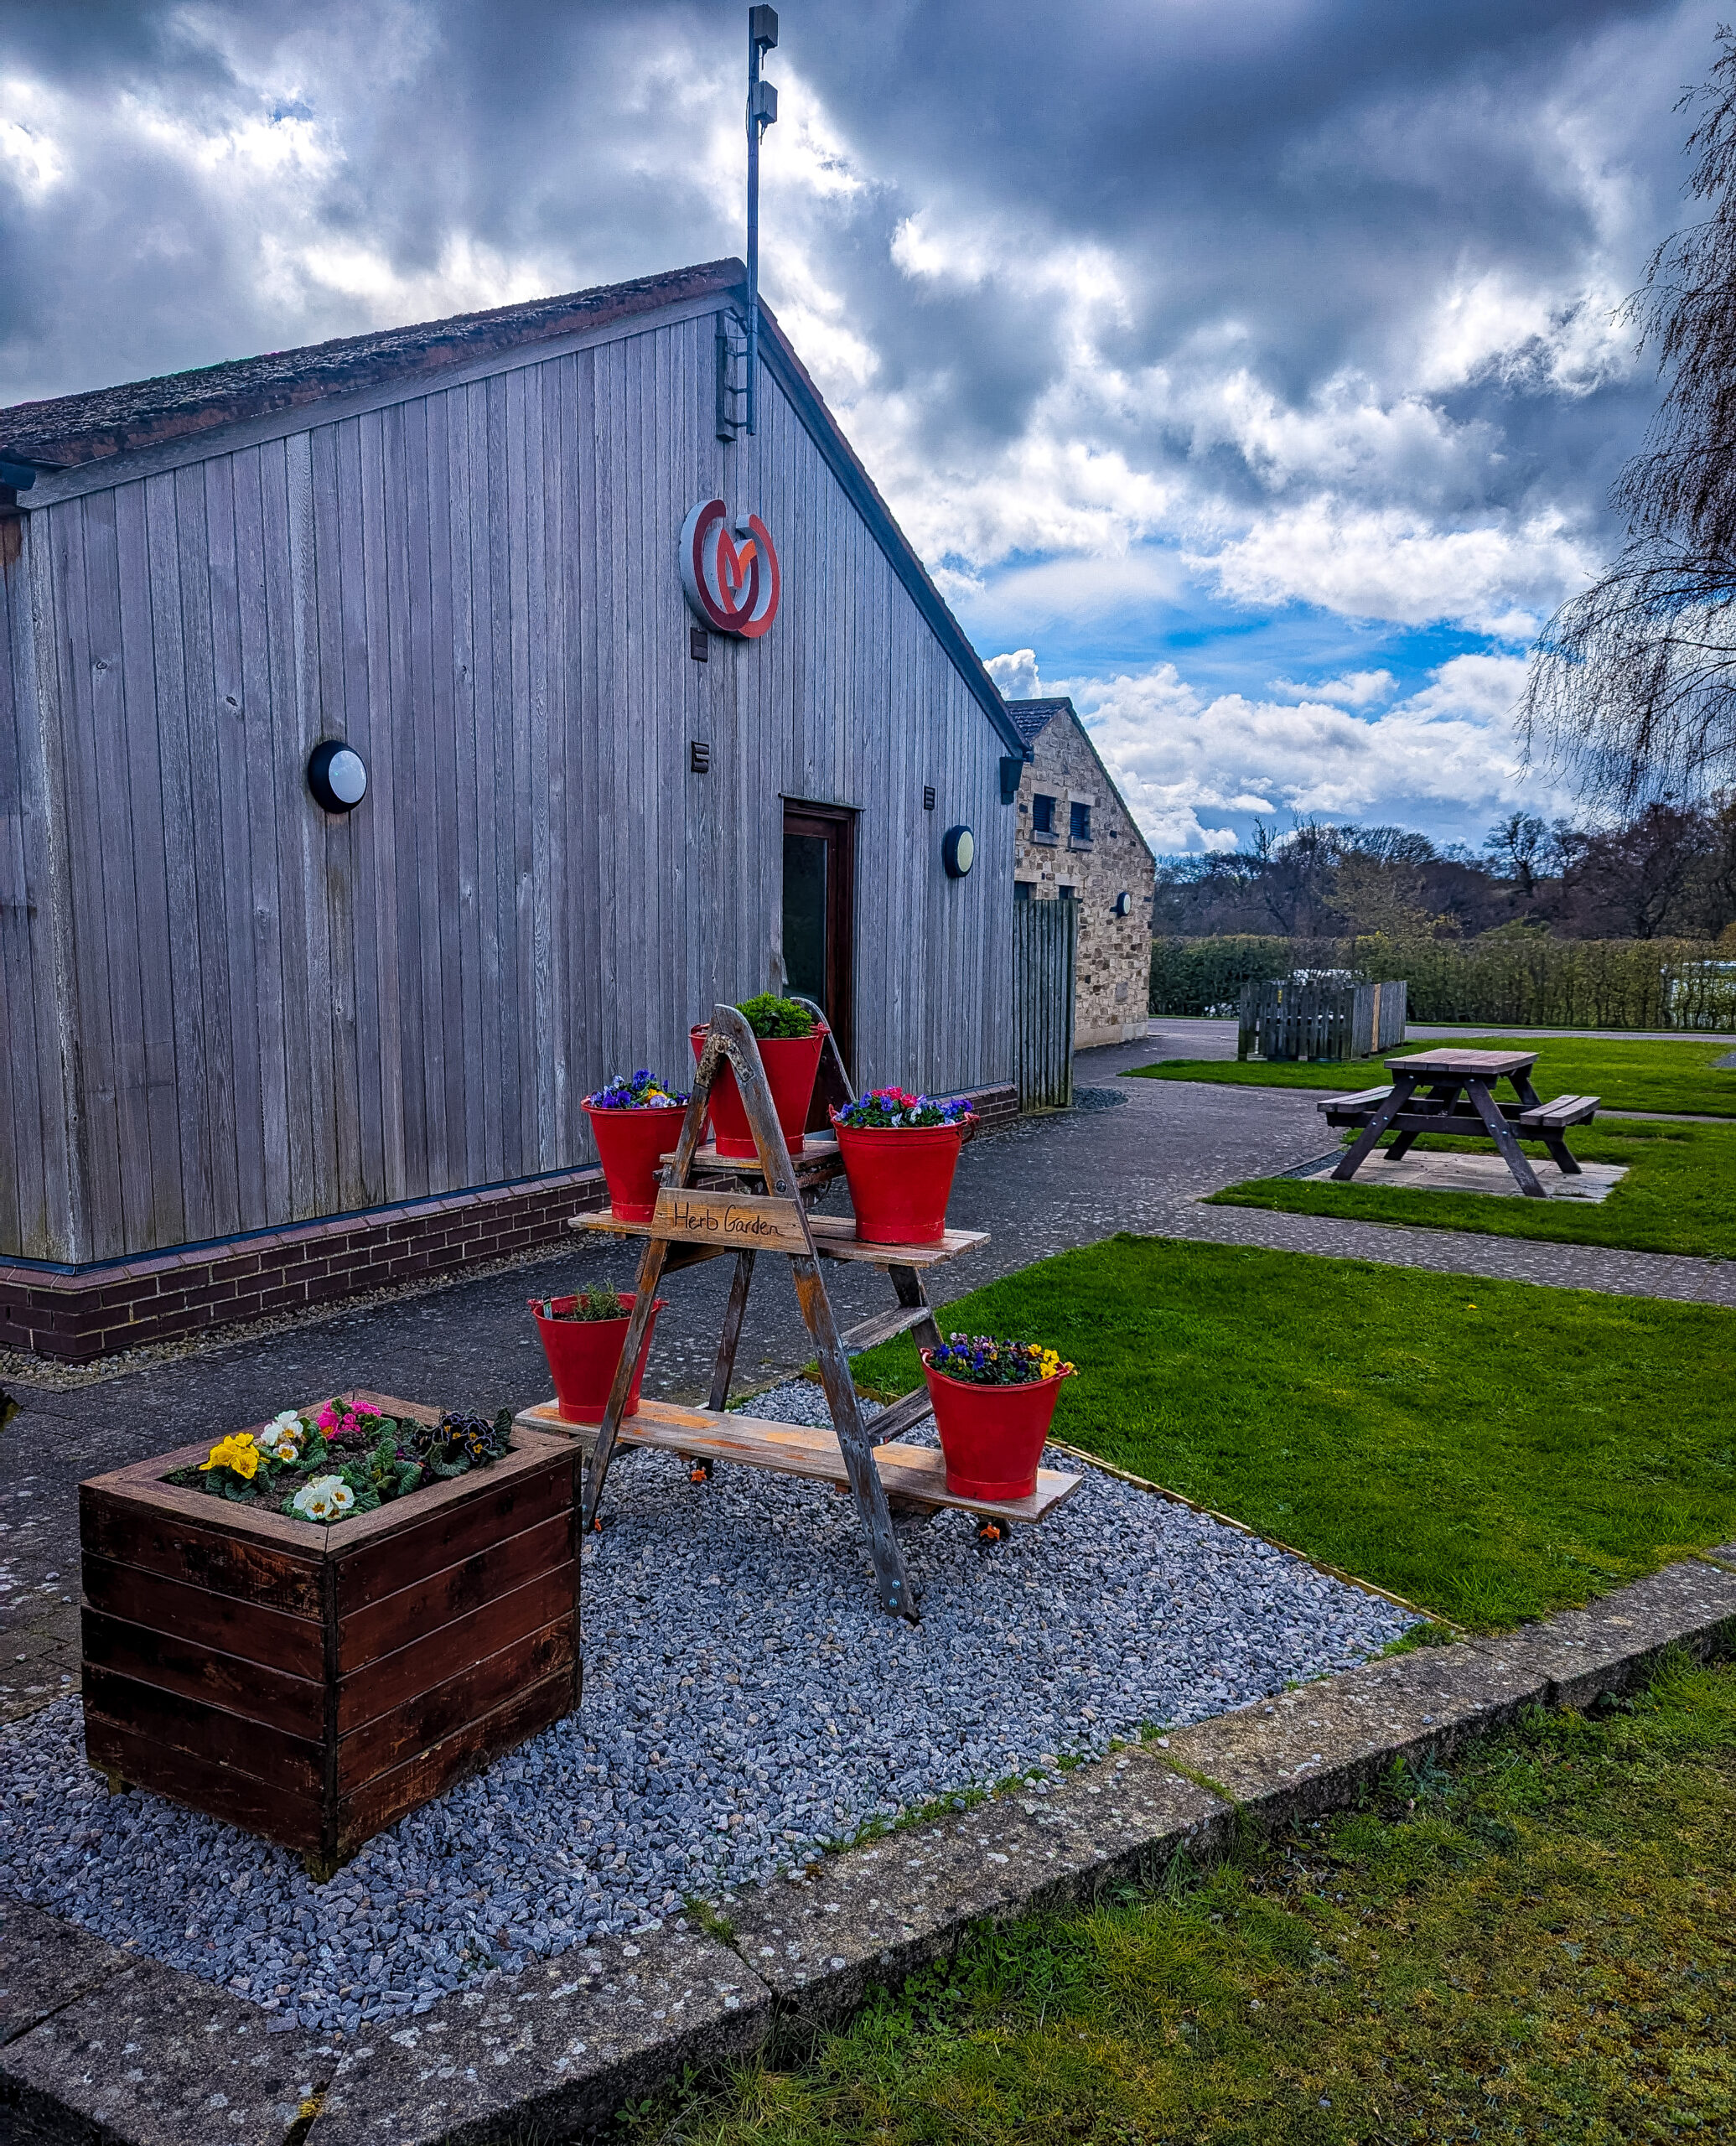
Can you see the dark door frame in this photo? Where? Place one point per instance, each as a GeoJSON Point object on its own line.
{"type": "Point", "coordinates": [835, 825]}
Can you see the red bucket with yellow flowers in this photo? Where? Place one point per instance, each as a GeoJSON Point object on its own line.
{"type": "Point", "coordinates": [994, 1402]}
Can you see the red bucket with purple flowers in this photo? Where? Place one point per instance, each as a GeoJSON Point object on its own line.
{"type": "Point", "coordinates": [634, 1122]}
{"type": "Point", "coordinates": [900, 1152]}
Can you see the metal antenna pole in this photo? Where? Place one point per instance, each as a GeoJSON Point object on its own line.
{"type": "Point", "coordinates": [762, 111]}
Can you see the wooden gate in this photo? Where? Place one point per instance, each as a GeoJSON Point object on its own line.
{"type": "Point", "coordinates": [1312, 1020]}
{"type": "Point", "coordinates": [1045, 938]}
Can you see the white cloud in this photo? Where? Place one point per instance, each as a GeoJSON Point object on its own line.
{"type": "Point", "coordinates": [1181, 757]}
{"type": "Point", "coordinates": [1356, 689]}
{"type": "Point", "coordinates": [1016, 675]}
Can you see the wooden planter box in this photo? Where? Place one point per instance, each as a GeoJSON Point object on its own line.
{"type": "Point", "coordinates": [310, 1685]}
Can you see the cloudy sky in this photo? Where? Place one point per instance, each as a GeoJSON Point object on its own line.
{"type": "Point", "coordinates": [1245, 368]}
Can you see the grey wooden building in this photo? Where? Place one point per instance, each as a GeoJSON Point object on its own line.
{"type": "Point", "coordinates": [254, 1051]}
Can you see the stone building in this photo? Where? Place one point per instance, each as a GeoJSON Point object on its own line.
{"type": "Point", "coordinates": [1076, 841]}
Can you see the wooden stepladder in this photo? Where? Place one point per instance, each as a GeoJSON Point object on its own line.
{"type": "Point", "coordinates": [694, 1222]}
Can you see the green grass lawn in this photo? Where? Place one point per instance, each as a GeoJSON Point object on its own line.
{"type": "Point", "coordinates": [1682, 1076]}
{"type": "Point", "coordinates": [1679, 1195]}
{"type": "Point", "coordinates": [1489, 1450]}
{"type": "Point", "coordinates": [1536, 1945]}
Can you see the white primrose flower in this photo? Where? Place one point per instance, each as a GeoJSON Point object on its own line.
{"type": "Point", "coordinates": [282, 1438]}
{"type": "Point", "coordinates": [326, 1498]}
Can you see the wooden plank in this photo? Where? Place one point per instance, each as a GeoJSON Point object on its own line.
{"type": "Point", "coordinates": [912, 1471]}
{"type": "Point", "coordinates": [438, 1655]}
{"type": "Point", "coordinates": [883, 1326]}
{"type": "Point", "coordinates": [263, 1807]}
{"type": "Point", "coordinates": [476, 1691]}
{"type": "Point", "coordinates": [212, 1731]}
{"type": "Point", "coordinates": [467, 1750]}
{"type": "Point", "coordinates": [199, 1672]}
{"type": "Point", "coordinates": [834, 1237]}
{"type": "Point", "coordinates": [222, 1561]}
{"type": "Point", "coordinates": [1480, 1062]}
{"type": "Point", "coordinates": [194, 1613]}
{"type": "Point", "coordinates": [914, 1407]}
{"type": "Point", "coordinates": [816, 1148]}
{"type": "Point", "coordinates": [746, 1221]}
{"type": "Point", "coordinates": [394, 1620]}
{"type": "Point", "coordinates": [430, 1538]}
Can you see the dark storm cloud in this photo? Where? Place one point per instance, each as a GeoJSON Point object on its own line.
{"type": "Point", "coordinates": [1277, 190]}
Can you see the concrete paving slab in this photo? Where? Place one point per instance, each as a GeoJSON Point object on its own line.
{"type": "Point", "coordinates": [46, 1963]}
{"type": "Point", "coordinates": [557, 2050]}
{"type": "Point", "coordinates": [154, 2058]}
{"type": "Point", "coordinates": [1314, 1749]}
{"type": "Point", "coordinates": [1614, 1644]}
{"type": "Point", "coordinates": [1430, 1170]}
{"type": "Point", "coordinates": [875, 1914]}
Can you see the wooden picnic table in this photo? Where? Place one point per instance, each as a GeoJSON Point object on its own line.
{"type": "Point", "coordinates": [1455, 1092]}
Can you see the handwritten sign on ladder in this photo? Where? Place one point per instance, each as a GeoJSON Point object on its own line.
{"type": "Point", "coordinates": [733, 1221]}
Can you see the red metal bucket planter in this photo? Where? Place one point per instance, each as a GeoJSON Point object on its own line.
{"type": "Point", "coordinates": [792, 1065]}
{"type": "Point", "coordinates": [992, 1436]}
{"type": "Point", "coordinates": [582, 1353]}
{"type": "Point", "coordinates": [629, 1143]}
{"type": "Point", "coordinates": [900, 1179]}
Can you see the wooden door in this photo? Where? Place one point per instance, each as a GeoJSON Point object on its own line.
{"type": "Point", "coordinates": [820, 915]}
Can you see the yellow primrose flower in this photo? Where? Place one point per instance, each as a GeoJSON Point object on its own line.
{"type": "Point", "coordinates": [237, 1452]}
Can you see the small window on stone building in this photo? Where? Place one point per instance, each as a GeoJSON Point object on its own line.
{"type": "Point", "coordinates": [1023, 889]}
{"type": "Point", "coordinates": [1042, 815]}
{"type": "Point", "coordinates": [1079, 823]}
{"type": "Point", "coordinates": [1064, 893]}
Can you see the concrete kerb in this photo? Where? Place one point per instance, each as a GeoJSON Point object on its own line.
{"type": "Point", "coordinates": [103, 2048]}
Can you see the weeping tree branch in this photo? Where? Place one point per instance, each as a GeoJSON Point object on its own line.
{"type": "Point", "coordinates": [1632, 687]}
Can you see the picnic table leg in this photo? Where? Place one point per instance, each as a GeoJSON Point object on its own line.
{"type": "Point", "coordinates": [1366, 1141]}
{"type": "Point", "coordinates": [1561, 1152]}
{"type": "Point", "coordinates": [1501, 1133]}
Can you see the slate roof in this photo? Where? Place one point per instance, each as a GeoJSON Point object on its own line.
{"type": "Point", "coordinates": [69, 429]}
{"type": "Point", "coordinates": [1031, 718]}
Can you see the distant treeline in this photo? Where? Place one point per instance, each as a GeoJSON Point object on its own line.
{"type": "Point", "coordinates": [1520, 977]}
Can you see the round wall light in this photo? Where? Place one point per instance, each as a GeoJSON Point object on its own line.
{"type": "Point", "coordinates": [337, 775]}
{"type": "Point", "coordinates": [958, 851]}
{"type": "Point", "coordinates": [1124, 904]}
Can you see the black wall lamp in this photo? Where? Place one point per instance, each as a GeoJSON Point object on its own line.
{"type": "Point", "coordinates": [337, 775]}
{"type": "Point", "coordinates": [1124, 904]}
{"type": "Point", "coordinates": [958, 851]}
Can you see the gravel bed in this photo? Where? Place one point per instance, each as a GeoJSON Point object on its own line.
{"type": "Point", "coordinates": [746, 1703]}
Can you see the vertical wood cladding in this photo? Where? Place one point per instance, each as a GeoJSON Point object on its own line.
{"type": "Point", "coordinates": [269, 1015]}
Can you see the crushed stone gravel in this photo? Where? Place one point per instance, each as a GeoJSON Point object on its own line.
{"type": "Point", "coordinates": [746, 1705]}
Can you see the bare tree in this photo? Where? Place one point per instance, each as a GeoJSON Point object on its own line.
{"type": "Point", "coordinates": [1632, 688]}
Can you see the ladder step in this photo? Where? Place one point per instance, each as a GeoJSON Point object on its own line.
{"type": "Point", "coordinates": [902, 1416]}
{"type": "Point", "coordinates": [869, 1332]}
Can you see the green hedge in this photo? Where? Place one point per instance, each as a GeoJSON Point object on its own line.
{"type": "Point", "coordinates": [1506, 978]}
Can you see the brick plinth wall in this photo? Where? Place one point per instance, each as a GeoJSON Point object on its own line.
{"type": "Point", "coordinates": [75, 1314]}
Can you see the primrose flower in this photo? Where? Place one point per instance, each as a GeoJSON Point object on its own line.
{"type": "Point", "coordinates": [327, 1498]}
{"type": "Point", "coordinates": [237, 1452]}
{"type": "Point", "coordinates": [328, 1417]}
{"type": "Point", "coordinates": [282, 1438]}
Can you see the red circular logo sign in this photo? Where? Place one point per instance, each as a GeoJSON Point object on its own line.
{"type": "Point", "coordinates": [731, 578]}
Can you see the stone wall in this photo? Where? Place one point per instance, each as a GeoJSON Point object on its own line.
{"type": "Point", "coordinates": [1114, 952]}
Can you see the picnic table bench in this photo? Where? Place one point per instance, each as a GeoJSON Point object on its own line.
{"type": "Point", "coordinates": [1453, 1092]}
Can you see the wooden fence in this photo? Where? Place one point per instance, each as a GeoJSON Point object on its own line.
{"type": "Point", "coordinates": [1308, 1020]}
{"type": "Point", "coordinates": [1045, 939]}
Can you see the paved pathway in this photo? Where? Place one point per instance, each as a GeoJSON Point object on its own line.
{"type": "Point", "coordinates": [1040, 1187]}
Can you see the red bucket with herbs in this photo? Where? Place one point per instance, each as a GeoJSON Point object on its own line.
{"type": "Point", "coordinates": [790, 1040]}
{"type": "Point", "coordinates": [900, 1152]}
{"type": "Point", "coordinates": [994, 1402]}
{"type": "Point", "coordinates": [634, 1122]}
{"type": "Point", "coordinates": [582, 1337]}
